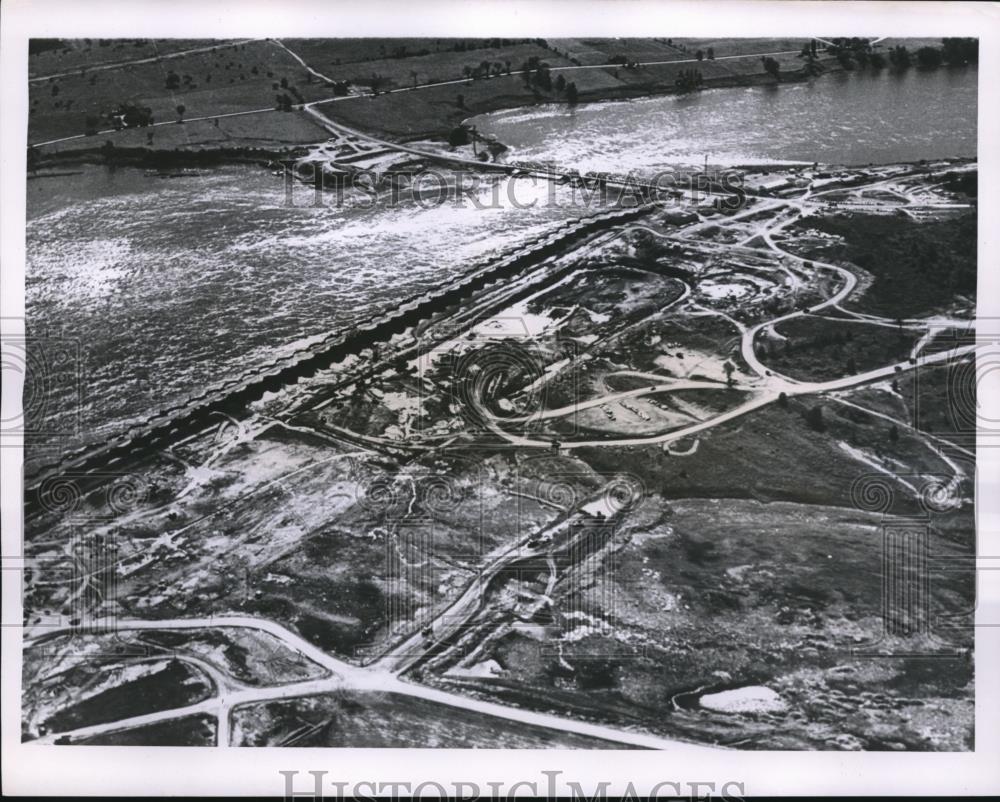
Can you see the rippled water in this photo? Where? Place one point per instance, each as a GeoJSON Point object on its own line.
{"type": "Point", "coordinates": [170, 284]}
{"type": "Point", "coordinates": [842, 118]}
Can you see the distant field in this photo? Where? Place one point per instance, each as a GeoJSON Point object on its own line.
{"type": "Point", "coordinates": [267, 129]}
{"type": "Point", "coordinates": [739, 47]}
{"type": "Point", "coordinates": [446, 65]}
{"type": "Point", "coordinates": [233, 78]}
{"type": "Point", "coordinates": [322, 53]}
{"type": "Point", "coordinates": [63, 55]}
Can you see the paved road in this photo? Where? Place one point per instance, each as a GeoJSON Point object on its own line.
{"type": "Point", "coordinates": [344, 675]}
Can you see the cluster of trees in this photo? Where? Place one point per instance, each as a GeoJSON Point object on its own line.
{"type": "Point", "coordinates": [900, 57]}
{"type": "Point", "coordinates": [174, 81]}
{"type": "Point", "coordinates": [854, 51]}
{"type": "Point", "coordinates": [403, 52]}
{"type": "Point", "coordinates": [487, 69]}
{"type": "Point", "coordinates": [340, 88]}
{"type": "Point", "coordinates": [284, 102]}
{"type": "Point", "coordinates": [625, 61]}
{"type": "Point", "coordinates": [688, 80]}
{"type": "Point", "coordinates": [460, 46]}
{"type": "Point", "coordinates": [960, 50]}
{"type": "Point", "coordinates": [126, 115]}
{"type": "Point", "coordinates": [536, 74]}
{"type": "Point", "coordinates": [494, 44]}
{"type": "Point", "coordinates": [953, 52]}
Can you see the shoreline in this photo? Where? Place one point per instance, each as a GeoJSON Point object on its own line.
{"type": "Point", "coordinates": [266, 154]}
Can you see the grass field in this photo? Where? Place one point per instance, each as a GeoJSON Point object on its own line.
{"type": "Point", "coordinates": [268, 129]}
{"type": "Point", "coordinates": [233, 78]}
{"type": "Point", "coordinates": [818, 349]}
{"type": "Point", "coordinates": [186, 731]}
{"type": "Point", "coordinates": [50, 56]}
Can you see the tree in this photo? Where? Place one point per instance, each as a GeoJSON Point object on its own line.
{"type": "Point", "coordinates": [929, 58]}
{"type": "Point", "coordinates": [894, 433]}
{"type": "Point", "coordinates": [543, 78]}
{"type": "Point", "coordinates": [699, 55]}
{"type": "Point", "coordinates": [688, 80]}
{"type": "Point", "coordinates": [459, 136]}
{"type": "Point", "coordinates": [899, 57]}
{"type": "Point", "coordinates": [572, 96]}
{"type": "Point", "coordinates": [180, 112]}
{"type": "Point", "coordinates": [960, 50]}
{"type": "Point", "coordinates": [560, 83]}
{"type": "Point", "coordinates": [729, 367]}
{"type": "Point", "coordinates": [771, 66]}
{"type": "Point", "coordinates": [173, 80]}
{"type": "Point", "coordinates": [711, 53]}
{"type": "Point", "coordinates": [783, 399]}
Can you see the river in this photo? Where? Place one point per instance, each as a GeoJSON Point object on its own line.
{"type": "Point", "coordinates": [166, 284]}
{"type": "Point", "coordinates": [846, 118]}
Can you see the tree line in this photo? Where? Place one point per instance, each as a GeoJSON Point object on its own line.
{"type": "Point", "coordinates": [855, 51]}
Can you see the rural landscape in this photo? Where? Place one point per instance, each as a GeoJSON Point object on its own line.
{"type": "Point", "coordinates": [484, 393]}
